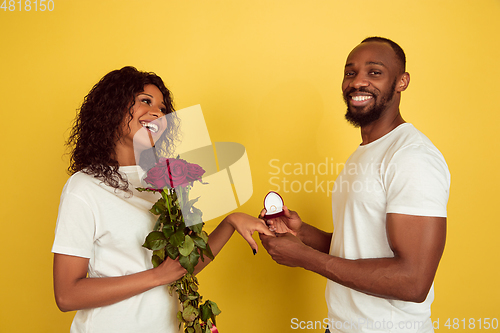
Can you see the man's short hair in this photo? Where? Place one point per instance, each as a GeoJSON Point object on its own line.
{"type": "Point", "coordinates": [400, 54]}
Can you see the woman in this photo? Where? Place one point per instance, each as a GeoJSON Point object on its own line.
{"type": "Point", "coordinates": [100, 267]}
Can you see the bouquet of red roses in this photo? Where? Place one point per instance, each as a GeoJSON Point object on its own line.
{"type": "Point", "coordinates": [178, 233]}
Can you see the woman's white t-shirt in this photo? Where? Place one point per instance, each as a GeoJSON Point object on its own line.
{"type": "Point", "coordinates": [108, 227]}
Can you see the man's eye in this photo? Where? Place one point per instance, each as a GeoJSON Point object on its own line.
{"type": "Point", "coordinates": [349, 74]}
{"type": "Point", "coordinates": [375, 72]}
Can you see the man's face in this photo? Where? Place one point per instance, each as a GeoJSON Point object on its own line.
{"type": "Point", "coordinates": [370, 78]}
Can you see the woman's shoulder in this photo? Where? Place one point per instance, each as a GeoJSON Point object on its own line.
{"type": "Point", "coordinates": [81, 182]}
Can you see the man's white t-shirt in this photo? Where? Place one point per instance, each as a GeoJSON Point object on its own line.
{"type": "Point", "coordinates": [109, 226]}
{"type": "Point", "coordinates": [404, 173]}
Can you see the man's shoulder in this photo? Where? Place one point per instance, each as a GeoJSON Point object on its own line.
{"type": "Point", "coordinates": [407, 136]}
{"type": "Point", "coordinates": [412, 150]}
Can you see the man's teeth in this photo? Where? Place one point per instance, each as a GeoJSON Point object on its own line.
{"type": "Point", "coordinates": [361, 98]}
{"type": "Point", "coordinates": [150, 126]}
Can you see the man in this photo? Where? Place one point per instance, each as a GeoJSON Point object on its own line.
{"type": "Point", "coordinates": [389, 209]}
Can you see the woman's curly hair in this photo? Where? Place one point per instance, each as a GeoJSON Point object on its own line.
{"type": "Point", "coordinates": [97, 125]}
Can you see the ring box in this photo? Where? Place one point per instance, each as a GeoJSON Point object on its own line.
{"type": "Point", "coordinates": [273, 203]}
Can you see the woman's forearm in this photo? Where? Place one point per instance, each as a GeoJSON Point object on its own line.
{"type": "Point", "coordinates": [74, 291]}
{"type": "Point", "coordinates": [244, 224]}
{"type": "Point", "coordinates": [216, 240]}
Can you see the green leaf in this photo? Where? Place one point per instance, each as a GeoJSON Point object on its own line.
{"type": "Point", "coordinates": [189, 313]}
{"type": "Point", "coordinates": [203, 235]}
{"type": "Point", "coordinates": [190, 330]}
{"type": "Point", "coordinates": [189, 263]}
{"type": "Point", "coordinates": [184, 261]}
{"type": "Point", "coordinates": [155, 241]}
{"type": "Point", "coordinates": [215, 309]}
{"type": "Point", "coordinates": [174, 212]}
{"type": "Point", "coordinates": [172, 251]}
{"type": "Point", "coordinates": [160, 254]}
{"type": "Point", "coordinates": [179, 317]}
{"type": "Point", "coordinates": [177, 238]}
{"type": "Point", "coordinates": [160, 205]}
{"type": "Point", "coordinates": [194, 288]}
{"type": "Point", "coordinates": [208, 252]}
{"type": "Point", "coordinates": [168, 231]}
{"type": "Point", "coordinates": [182, 225]}
{"type": "Point", "coordinates": [156, 261]}
{"type": "Point", "coordinates": [187, 247]}
{"type": "Point", "coordinates": [199, 242]}
{"type": "Point", "coordinates": [200, 251]}
{"type": "Point", "coordinates": [193, 258]}
{"type": "Point", "coordinates": [197, 328]}
{"type": "Point", "coordinates": [165, 196]}
{"type": "Point", "coordinates": [206, 312]}
{"type": "Point", "coordinates": [196, 226]}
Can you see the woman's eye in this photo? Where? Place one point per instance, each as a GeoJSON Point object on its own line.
{"type": "Point", "coordinates": [164, 111]}
{"type": "Point", "coordinates": [147, 101]}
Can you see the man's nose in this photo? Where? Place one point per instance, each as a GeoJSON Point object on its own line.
{"type": "Point", "coordinates": [359, 81]}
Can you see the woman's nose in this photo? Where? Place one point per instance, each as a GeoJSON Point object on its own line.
{"type": "Point", "coordinates": [155, 111]}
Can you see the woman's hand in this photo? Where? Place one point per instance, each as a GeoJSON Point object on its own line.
{"type": "Point", "coordinates": [246, 225]}
{"type": "Point", "coordinates": [169, 271]}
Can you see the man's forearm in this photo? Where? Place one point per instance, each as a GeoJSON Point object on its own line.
{"type": "Point", "coordinates": [315, 238]}
{"type": "Point", "coordinates": [388, 278]}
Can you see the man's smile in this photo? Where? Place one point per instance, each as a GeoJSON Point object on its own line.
{"type": "Point", "coordinates": [360, 99]}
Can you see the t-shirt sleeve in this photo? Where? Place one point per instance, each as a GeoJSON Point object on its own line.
{"type": "Point", "coordinates": [417, 182]}
{"type": "Point", "coordinates": [75, 227]}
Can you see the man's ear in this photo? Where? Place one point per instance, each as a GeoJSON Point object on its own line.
{"type": "Point", "coordinates": [403, 83]}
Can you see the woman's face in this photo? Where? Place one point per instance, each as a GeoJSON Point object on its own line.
{"type": "Point", "coordinates": [148, 107]}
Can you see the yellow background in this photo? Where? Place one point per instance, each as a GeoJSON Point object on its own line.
{"type": "Point", "coordinates": [267, 75]}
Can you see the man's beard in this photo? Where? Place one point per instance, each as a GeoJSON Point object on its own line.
{"type": "Point", "coordinates": [359, 119]}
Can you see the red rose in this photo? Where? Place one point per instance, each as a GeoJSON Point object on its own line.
{"type": "Point", "coordinates": [158, 176]}
{"type": "Point", "coordinates": [194, 172]}
{"type": "Point", "coordinates": [173, 172]}
{"type": "Point", "coordinates": [178, 171]}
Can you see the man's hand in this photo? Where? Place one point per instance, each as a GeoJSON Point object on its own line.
{"type": "Point", "coordinates": [286, 249]}
{"type": "Point", "coordinates": [288, 223]}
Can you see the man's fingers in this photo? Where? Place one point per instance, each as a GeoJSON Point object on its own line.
{"type": "Point", "coordinates": [262, 229]}
{"type": "Point", "coordinates": [264, 238]}
{"type": "Point", "coordinates": [287, 212]}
